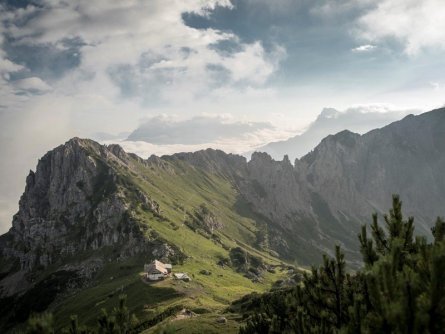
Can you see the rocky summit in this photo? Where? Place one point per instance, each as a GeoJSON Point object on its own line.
{"type": "Point", "coordinates": [91, 216]}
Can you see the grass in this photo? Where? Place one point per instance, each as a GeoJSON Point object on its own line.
{"type": "Point", "coordinates": [178, 189]}
{"type": "Point", "coordinates": [199, 324]}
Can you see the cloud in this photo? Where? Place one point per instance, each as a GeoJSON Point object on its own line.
{"type": "Point", "coordinates": [7, 66]}
{"type": "Point", "coordinates": [437, 86]}
{"type": "Point", "coordinates": [239, 144]}
{"type": "Point", "coordinates": [168, 134]}
{"type": "Point", "coordinates": [141, 49]}
{"type": "Point", "coordinates": [417, 25]}
{"type": "Point", "coordinates": [364, 48]}
{"type": "Point", "coordinates": [197, 130]}
{"type": "Point", "coordinates": [32, 85]}
{"type": "Point", "coordinates": [358, 118]}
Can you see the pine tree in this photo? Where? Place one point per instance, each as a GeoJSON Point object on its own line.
{"type": "Point", "coordinates": [401, 289]}
{"type": "Point", "coordinates": [74, 327]}
{"type": "Point", "coordinates": [258, 323]}
{"type": "Point", "coordinates": [40, 324]}
{"type": "Point", "coordinates": [106, 323]}
{"type": "Point", "coordinates": [439, 230]}
{"type": "Point", "coordinates": [122, 315]}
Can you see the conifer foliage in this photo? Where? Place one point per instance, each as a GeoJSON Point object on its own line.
{"type": "Point", "coordinates": [401, 288]}
{"type": "Point", "coordinates": [120, 321]}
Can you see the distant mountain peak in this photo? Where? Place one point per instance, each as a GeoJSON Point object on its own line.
{"type": "Point", "coordinates": [329, 122]}
{"type": "Point", "coordinates": [327, 113]}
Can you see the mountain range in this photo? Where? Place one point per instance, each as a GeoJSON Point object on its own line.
{"type": "Point", "coordinates": [91, 215]}
{"type": "Point", "coordinates": [359, 119]}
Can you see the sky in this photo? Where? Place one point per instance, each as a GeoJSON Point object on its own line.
{"type": "Point", "coordinates": [251, 71]}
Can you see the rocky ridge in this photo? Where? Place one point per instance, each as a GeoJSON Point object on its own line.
{"type": "Point", "coordinates": [73, 204]}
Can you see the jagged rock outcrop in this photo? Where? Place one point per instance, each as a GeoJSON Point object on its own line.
{"type": "Point", "coordinates": [206, 219]}
{"type": "Point", "coordinates": [275, 188]}
{"type": "Point", "coordinates": [213, 161]}
{"type": "Point", "coordinates": [356, 175]}
{"type": "Point", "coordinates": [148, 203]}
{"type": "Point", "coordinates": [347, 177]}
{"type": "Point", "coordinates": [298, 219]}
{"type": "Point", "coordinates": [74, 202]}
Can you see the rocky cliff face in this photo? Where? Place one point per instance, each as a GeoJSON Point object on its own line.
{"type": "Point", "coordinates": [326, 196]}
{"type": "Point", "coordinates": [213, 161]}
{"type": "Point", "coordinates": [75, 203]}
{"type": "Point", "coordinates": [275, 187]}
{"type": "Point", "coordinates": [357, 174]}
{"type": "Point", "coordinates": [299, 219]}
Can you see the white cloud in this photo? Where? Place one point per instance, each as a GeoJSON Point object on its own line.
{"type": "Point", "coordinates": [357, 118]}
{"type": "Point", "coordinates": [364, 48]}
{"type": "Point", "coordinates": [437, 86]}
{"type": "Point", "coordinates": [33, 85]}
{"type": "Point", "coordinates": [416, 24]}
{"type": "Point", "coordinates": [119, 36]}
{"type": "Point", "coordinates": [196, 130]}
{"type": "Point", "coordinates": [7, 66]}
{"type": "Point", "coordinates": [239, 144]}
{"type": "Point", "coordinates": [167, 134]}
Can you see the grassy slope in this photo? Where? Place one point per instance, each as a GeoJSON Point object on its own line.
{"type": "Point", "coordinates": [178, 189]}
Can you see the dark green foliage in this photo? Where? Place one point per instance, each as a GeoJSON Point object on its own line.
{"type": "Point", "coordinates": [244, 261]}
{"type": "Point", "coordinates": [203, 221]}
{"type": "Point", "coordinates": [157, 319]}
{"type": "Point", "coordinates": [262, 237]}
{"type": "Point", "coordinates": [258, 323]}
{"type": "Point", "coordinates": [119, 321]}
{"type": "Point", "coordinates": [400, 290]}
{"type": "Point", "coordinates": [168, 329]}
{"type": "Point", "coordinates": [74, 327]}
{"type": "Point", "coordinates": [40, 324]}
{"type": "Point", "coordinates": [439, 230]}
{"type": "Point", "coordinates": [36, 299]}
{"type": "Point", "coordinates": [239, 259]}
{"type": "Point", "coordinates": [106, 323]}
{"type": "Point", "coordinates": [201, 310]}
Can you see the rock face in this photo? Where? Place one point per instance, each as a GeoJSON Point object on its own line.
{"type": "Point", "coordinates": [357, 174]}
{"type": "Point", "coordinates": [300, 222]}
{"type": "Point", "coordinates": [333, 189]}
{"type": "Point", "coordinates": [213, 161]}
{"type": "Point", "coordinates": [74, 203]}
{"type": "Point", "coordinates": [207, 220]}
{"type": "Point", "coordinates": [275, 188]}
